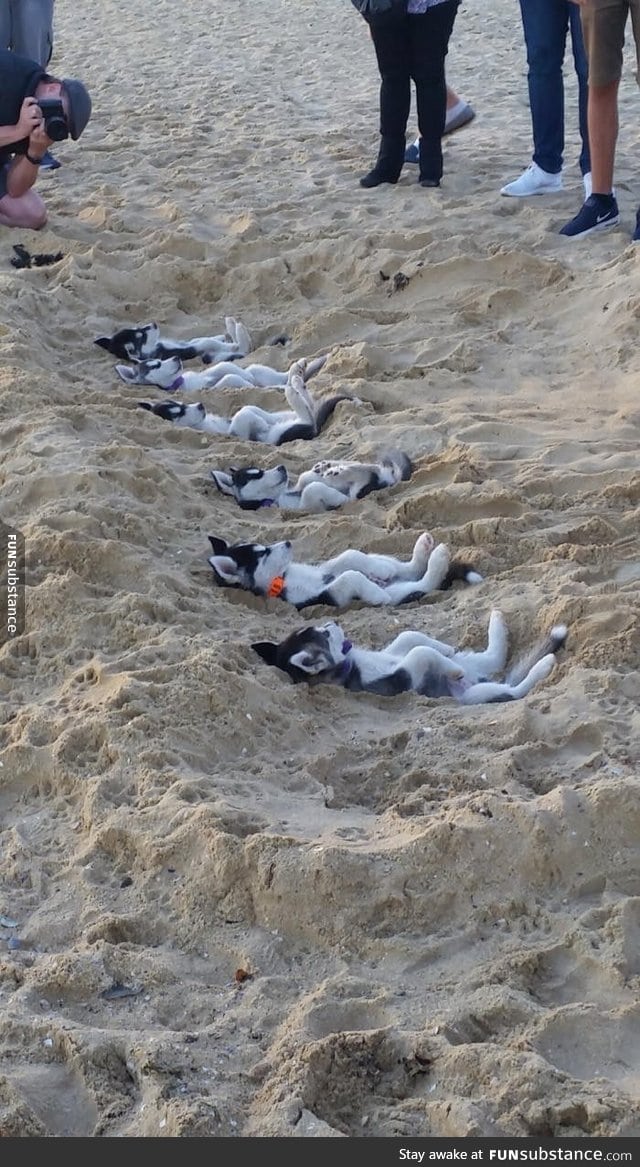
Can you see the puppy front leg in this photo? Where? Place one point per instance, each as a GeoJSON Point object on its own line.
{"type": "Point", "coordinates": [235, 381]}
{"type": "Point", "coordinates": [353, 585]}
{"type": "Point", "coordinates": [408, 640]}
{"type": "Point", "coordinates": [424, 664]}
{"type": "Point", "coordinates": [248, 424]}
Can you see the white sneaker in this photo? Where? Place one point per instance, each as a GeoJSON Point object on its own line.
{"type": "Point", "coordinates": [534, 181]}
{"type": "Point", "coordinates": [588, 185]}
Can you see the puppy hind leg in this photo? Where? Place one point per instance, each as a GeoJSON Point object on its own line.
{"type": "Point", "coordinates": [494, 658]}
{"type": "Point", "coordinates": [300, 399]}
{"type": "Point", "coordinates": [317, 496]}
{"type": "Point", "coordinates": [486, 692]}
{"type": "Point", "coordinates": [422, 550]}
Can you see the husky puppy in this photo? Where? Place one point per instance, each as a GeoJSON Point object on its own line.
{"type": "Point", "coordinates": [325, 487]}
{"type": "Point", "coordinates": [351, 576]}
{"type": "Point", "coordinates": [145, 342]}
{"type": "Point", "coordinates": [304, 420]}
{"type": "Point", "coordinates": [170, 375]}
{"type": "Point", "coordinates": [322, 654]}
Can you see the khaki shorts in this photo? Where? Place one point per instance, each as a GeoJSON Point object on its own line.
{"type": "Point", "coordinates": [603, 25]}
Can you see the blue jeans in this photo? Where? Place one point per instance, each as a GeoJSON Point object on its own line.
{"type": "Point", "coordinates": [545, 24]}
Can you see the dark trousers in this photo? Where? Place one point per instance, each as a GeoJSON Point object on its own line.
{"type": "Point", "coordinates": [546, 24]}
{"type": "Point", "coordinates": [413, 48]}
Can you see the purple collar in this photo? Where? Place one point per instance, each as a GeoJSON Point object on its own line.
{"type": "Point", "coordinates": [177, 384]}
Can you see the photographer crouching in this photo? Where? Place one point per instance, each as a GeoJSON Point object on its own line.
{"type": "Point", "coordinates": [36, 110]}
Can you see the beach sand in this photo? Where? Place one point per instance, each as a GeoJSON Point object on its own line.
{"type": "Point", "coordinates": [438, 907]}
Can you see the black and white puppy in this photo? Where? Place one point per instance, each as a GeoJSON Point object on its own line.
{"type": "Point", "coordinates": [352, 576]}
{"type": "Point", "coordinates": [302, 421]}
{"type": "Point", "coordinates": [322, 654]}
{"type": "Point", "coordinates": [325, 487]}
{"type": "Point", "coordinates": [145, 343]}
{"type": "Point", "coordinates": [171, 376]}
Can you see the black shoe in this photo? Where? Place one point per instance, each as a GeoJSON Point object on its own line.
{"type": "Point", "coordinates": [376, 177]}
{"type": "Point", "coordinates": [636, 234]}
{"type": "Point", "coordinates": [48, 162]}
{"type": "Point", "coordinates": [429, 182]}
{"type": "Point", "coordinates": [596, 214]}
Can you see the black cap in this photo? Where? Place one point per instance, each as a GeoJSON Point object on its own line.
{"type": "Point", "coordinates": [79, 104]}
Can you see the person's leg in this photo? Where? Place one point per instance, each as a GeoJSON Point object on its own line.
{"type": "Point", "coordinates": [459, 113]}
{"type": "Point", "coordinates": [389, 35]}
{"type": "Point", "coordinates": [603, 24]}
{"type": "Point", "coordinates": [582, 72]}
{"type": "Point", "coordinates": [33, 29]}
{"type": "Point", "coordinates": [603, 27]}
{"type": "Point", "coordinates": [545, 24]}
{"type": "Point", "coordinates": [429, 36]}
{"type": "Point", "coordinates": [603, 134]}
{"type": "Point", "coordinates": [27, 211]}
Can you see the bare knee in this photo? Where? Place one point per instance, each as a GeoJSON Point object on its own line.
{"type": "Point", "coordinates": [37, 219]}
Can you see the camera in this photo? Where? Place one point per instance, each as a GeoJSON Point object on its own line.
{"type": "Point", "coordinates": [56, 126]}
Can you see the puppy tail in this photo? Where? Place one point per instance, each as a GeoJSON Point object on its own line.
{"type": "Point", "coordinates": [550, 645]}
{"type": "Point", "coordinates": [325, 409]}
{"type": "Point", "coordinates": [460, 571]}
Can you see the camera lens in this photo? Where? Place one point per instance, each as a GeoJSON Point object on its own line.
{"type": "Point", "coordinates": [56, 129]}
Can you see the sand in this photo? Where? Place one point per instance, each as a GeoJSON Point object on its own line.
{"type": "Point", "coordinates": [438, 907]}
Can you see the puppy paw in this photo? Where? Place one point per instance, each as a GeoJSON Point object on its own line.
{"type": "Point", "coordinates": [424, 546]}
{"type": "Point", "coordinates": [438, 563]}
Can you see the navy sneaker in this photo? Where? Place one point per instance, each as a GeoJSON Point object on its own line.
{"type": "Point", "coordinates": [636, 234]}
{"type": "Point", "coordinates": [596, 214]}
{"type": "Point", "coordinates": [49, 162]}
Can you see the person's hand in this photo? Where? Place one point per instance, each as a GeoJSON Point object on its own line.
{"type": "Point", "coordinates": [39, 141]}
{"type": "Point", "coordinates": [30, 117]}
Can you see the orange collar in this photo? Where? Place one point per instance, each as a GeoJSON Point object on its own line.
{"type": "Point", "coordinates": [276, 587]}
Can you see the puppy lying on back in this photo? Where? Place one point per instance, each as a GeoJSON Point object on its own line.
{"type": "Point", "coordinates": [321, 654]}
{"type": "Point", "coordinates": [171, 376]}
{"type": "Point", "coordinates": [302, 421]}
{"type": "Point", "coordinates": [325, 487]}
{"type": "Point", "coordinates": [145, 342]}
{"type": "Point", "coordinates": [353, 575]}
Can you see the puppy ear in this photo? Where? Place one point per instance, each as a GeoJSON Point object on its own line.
{"type": "Point", "coordinates": [219, 546]}
{"type": "Point", "coordinates": [223, 481]}
{"type": "Point", "coordinates": [104, 342]}
{"type": "Point", "coordinates": [127, 374]}
{"type": "Point", "coordinates": [308, 664]}
{"type": "Point", "coordinates": [224, 568]}
{"type": "Point", "coordinates": [266, 650]}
